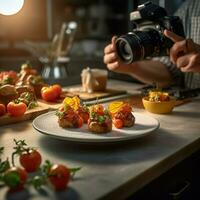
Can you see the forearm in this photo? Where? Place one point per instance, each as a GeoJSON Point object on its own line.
{"type": "Point", "coordinates": [151, 72]}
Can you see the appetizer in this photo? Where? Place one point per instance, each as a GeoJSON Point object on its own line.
{"type": "Point", "coordinates": [76, 104]}
{"type": "Point", "coordinates": [18, 94]}
{"type": "Point", "coordinates": [8, 77]}
{"type": "Point", "coordinates": [72, 114]}
{"type": "Point", "coordinates": [30, 76]}
{"type": "Point", "coordinates": [13, 84]}
{"type": "Point", "coordinates": [8, 93]}
{"type": "Point", "coordinates": [68, 117]}
{"type": "Point", "coordinates": [100, 120]}
{"type": "Point", "coordinates": [122, 115]}
{"type": "Point", "coordinates": [83, 111]}
{"type": "Point", "coordinates": [159, 102]}
{"type": "Point", "coordinates": [158, 96]}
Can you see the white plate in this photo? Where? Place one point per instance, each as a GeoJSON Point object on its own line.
{"type": "Point", "coordinates": [48, 125]}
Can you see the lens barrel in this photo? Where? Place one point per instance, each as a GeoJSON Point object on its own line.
{"type": "Point", "coordinates": [138, 45]}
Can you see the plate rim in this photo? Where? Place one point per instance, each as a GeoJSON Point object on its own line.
{"type": "Point", "coordinates": [96, 140]}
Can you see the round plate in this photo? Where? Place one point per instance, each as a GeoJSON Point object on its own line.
{"type": "Point", "coordinates": [48, 124]}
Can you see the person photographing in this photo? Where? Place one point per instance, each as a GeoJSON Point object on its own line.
{"type": "Point", "coordinates": [184, 54]}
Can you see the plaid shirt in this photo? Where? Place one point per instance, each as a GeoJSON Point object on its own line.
{"type": "Point", "coordinates": [189, 12]}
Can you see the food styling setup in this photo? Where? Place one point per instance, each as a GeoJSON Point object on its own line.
{"type": "Point", "coordinates": [103, 138]}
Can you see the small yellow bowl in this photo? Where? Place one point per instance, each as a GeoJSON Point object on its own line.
{"type": "Point", "coordinates": [159, 107]}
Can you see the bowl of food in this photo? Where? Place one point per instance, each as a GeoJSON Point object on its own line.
{"type": "Point", "coordinates": [159, 102]}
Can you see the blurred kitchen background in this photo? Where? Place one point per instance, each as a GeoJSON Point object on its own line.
{"type": "Point", "coordinates": [82, 28]}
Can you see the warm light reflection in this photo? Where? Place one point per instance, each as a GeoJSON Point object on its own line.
{"type": "Point", "coordinates": [10, 7]}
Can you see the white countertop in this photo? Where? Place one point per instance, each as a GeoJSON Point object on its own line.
{"type": "Point", "coordinates": [114, 170]}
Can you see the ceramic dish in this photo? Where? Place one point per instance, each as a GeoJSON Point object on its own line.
{"type": "Point", "coordinates": [47, 124]}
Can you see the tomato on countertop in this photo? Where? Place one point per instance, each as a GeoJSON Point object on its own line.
{"type": "Point", "coordinates": [99, 109]}
{"type": "Point", "coordinates": [29, 157]}
{"type": "Point", "coordinates": [16, 109]}
{"type": "Point", "coordinates": [58, 89]}
{"type": "Point", "coordinates": [30, 160]}
{"type": "Point", "coordinates": [59, 176]}
{"type": "Point", "coordinates": [118, 123]}
{"type": "Point", "coordinates": [15, 178]}
{"type": "Point", "coordinates": [51, 93]}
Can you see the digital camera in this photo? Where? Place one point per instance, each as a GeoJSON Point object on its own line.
{"type": "Point", "coordinates": [147, 38]}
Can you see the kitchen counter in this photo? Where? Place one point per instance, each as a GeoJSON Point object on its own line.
{"type": "Point", "coordinates": [113, 170]}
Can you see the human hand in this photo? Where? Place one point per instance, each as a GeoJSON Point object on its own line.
{"type": "Point", "coordinates": [112, 60]}
{"type": "Point", "coordinates": [184, 53]}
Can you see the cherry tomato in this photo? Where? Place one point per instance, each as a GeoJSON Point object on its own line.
{"type": "Point", "coordinates": [16, 109]}
{"type": "Point", "coordinates": [59, 176]}
{"type": "Point", "coordinates": [126, 108]}
{"type": "Point", "coordinates": [80, 122]}
{"type": "Point", "coordinates": [99, 109]}
{"type": "Point", "coordinates": [30, 160]}
{"type": "Point", "coordinates": [58, 89]}
{"type": "Point", "coordinates": [2, 109]}
{"type": "Point", "coordinates": [164, 97]}
{"type": "Point", "coordinates": [118, 123]}
{"type": "Point", "coordinates": [85, 116]}
{"type": "Point", "coordinates": [15, 178]}
{"type": "Point", "coordinates": [48, 94]}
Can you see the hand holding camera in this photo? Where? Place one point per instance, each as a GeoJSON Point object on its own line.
{"type": "Point", "coordinates": [147, 38]}
{"type": "Point", "coordinates": [113, 61]}
{"type": "Point", "coordinates": [184, 53]}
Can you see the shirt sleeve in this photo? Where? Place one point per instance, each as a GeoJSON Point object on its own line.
{"type": "Point", "coordinates": [176, 74]}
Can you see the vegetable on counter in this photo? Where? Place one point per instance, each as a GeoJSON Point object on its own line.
{"type": "Point", "coordinates": [16, 109]}
{"type": "Point", "coordinates": [29, 158]}
{"type": "Point", "coordinates": [47, 174]}
{"type": "Point", "coordinates": [51, 93]}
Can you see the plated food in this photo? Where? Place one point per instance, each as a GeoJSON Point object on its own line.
{"type": "Point", "coordinates": [22, 86]}
{"type": "Point", "coordinates": [68, 117]}
{"type": "Point", "coordinates": [72, 114]}
{"type": "Point", "coordinates": [159, 102]}
{"type": "Point", "coordinates": [21, 91]}
{"type": "Point", "coordinates": [144, 125]}
{"type": "Point", "coordinates": [99, 119]}
{"type": "Point", "coordinates": [122, 115]}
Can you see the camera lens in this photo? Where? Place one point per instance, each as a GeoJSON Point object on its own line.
{"type": "Point", "coordinates": [124, 49]}
{"type": "Point", "coordinates": [138, 45]}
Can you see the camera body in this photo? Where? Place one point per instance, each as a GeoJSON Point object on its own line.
{"type": "Point", "coordinates": [147, 38]}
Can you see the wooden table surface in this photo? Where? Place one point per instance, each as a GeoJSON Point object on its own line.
{"type": "Point", "coordinates": [113, 170]}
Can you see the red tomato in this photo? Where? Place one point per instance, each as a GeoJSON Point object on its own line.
{"type": "Point", "coordinates": [48, 94]}
{"type": "Point", "coordinates": [126, 108]}
{"type": "Point", "coordinates": [164, 98]}
{"type": "Point", "coordinates": [16, 109]}
{"type": "Point", "coordinates": [15, 178]}
{"type": "Point", "coordinates": [118, 123]}
{"type": "Point", "coordinates": [59, 176]}
{"type": "Point", "coordinates": [30, 160]}
{"type": "Point", "coordinates": [99, 109]}
{"type": "Point", "coordinates": [2, 109]}
{"type": "Point", "coordinates": [80, 122]}
{"type": "Point", "coordinates": [85, 116]}
{"type": "Point", "coordinates": [58, 89]}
